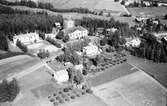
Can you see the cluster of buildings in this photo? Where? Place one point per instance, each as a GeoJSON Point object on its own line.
{"type": "Point", "coordinates": [147, 3]}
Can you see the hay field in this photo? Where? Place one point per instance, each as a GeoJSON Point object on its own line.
{"type": "Point", "coordinates": [154, 11]}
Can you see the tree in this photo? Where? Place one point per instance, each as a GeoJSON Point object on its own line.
{"type": "Point", "coordinates": [8, 90]}
{"type": "Point", "coordinates": [3, 43]}
{"type": "Point", "coordinates": [123, 2]}
{"type": "Point", "coordinates": [21, 46]}
{"type": "Point", "coordinates": [43, 54]}
{"type": "Point", "coordinates": [78, 78]}
{"type": "Point", "coordinates": [60, 35]}
{"type": "Point", "coordinates": [66, 38]}
{"type": "Point", "coordinates": [4, 94]}
{"type": "Point", "coordinates": [165, 17]}
{"type": "Point", "coordinates": [13, 89]}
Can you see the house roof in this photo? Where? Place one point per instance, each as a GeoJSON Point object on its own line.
{"type": "Point", "coordinates": [71, 30]}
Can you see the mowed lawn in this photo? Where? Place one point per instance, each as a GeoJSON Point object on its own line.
{"type": "Point", "coordinates": [111, 74]}
{"type": "Point", "coordinates": [16, 64]}
{"type": "Point", "coordinates": [156, 70]}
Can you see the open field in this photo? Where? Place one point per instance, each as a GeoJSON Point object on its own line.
{"type": "Point", "coordinates": [37, 78]}
{"type": "Point", "coordinates": [153, 11]}
{"type": "Point", "coordinates": [136, 89]}
{"type": "Point", "coordinates": [111, 74]}
{"type": "Point", "coordinates": [10, 66]}
{"type": "Point", "coordinates": [109, 5]}
{"type": "Point", "coordinates": [157, 70]}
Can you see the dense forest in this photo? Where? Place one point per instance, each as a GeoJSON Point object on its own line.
{"type": "Point", "coordinates": [151, 49]}
{"type": "Point", "coordinates": [41, 5]}
{"type": "Point", "coordinates": [92, 24]}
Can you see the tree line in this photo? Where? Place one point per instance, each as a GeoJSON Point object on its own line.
{"type": "Point", "coordinates": [93, 23]}
{"type": "Point", "coordinates": [151, 49]}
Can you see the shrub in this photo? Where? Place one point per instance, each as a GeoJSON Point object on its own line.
{"type": "Point", "coordinates": [61, 101]}
{"type": "Point", "coordinates": [55, 103]}
{"type": "Point", "coordinates": [54, 94]}
{"type": "Point", "coordinates": [72, 97]}
{"type": "Point", "coordinates": [52, 100]}
{"type": "Point", "coordinates": [66, 89]}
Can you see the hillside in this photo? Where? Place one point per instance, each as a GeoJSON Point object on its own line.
{"type": "Point", "coordinates": [90, 4]}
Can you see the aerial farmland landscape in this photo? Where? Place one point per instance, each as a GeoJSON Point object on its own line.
{"type": "Point", "coordinates": [83, 53]}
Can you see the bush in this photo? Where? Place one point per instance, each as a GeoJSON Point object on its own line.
{"type": "Point", "coordinates": [66, 89]}
{"type": "Point", "coordinates": [72, 97]}
{"type": "Point", "coordinates": [52, 100]}
{"type": "Point", "coordinates": [61, 101]}
{"type": "Point", "coordinates": [55, 103]}
{"type": "Point", "coordinates": [67, 99]}
{"type": "Point", "coordinates": [89, 91]}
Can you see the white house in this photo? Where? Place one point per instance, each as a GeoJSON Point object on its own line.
{"type": "Point", "coordinates": [91, 50]}
{"type": "Point", "coordinates": [76, 32]}
{"type": "Point", "coordinates": [50, 35]}
{"type": "Point", "coordinates": [128, 2]}
{"type": "Point", "coordinates": [69, 23]}
{"type": "Point", "coordinates": [135, 42]}
{"type": "Point", "coordinates": [146, 3]}
{"type": "Point", "coordinates": [61, 76]}
{"type": "Point", "coordinates": [26, 38]}
{"type": "Point", "coordinates": [78, 67]}
{"type": "Point", "coordinates": [58, 71]}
